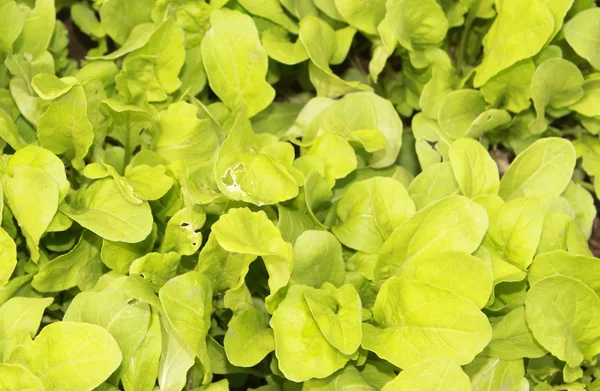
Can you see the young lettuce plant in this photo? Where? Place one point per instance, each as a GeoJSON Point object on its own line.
{"type": "Point", "coordinates": [227, 195]}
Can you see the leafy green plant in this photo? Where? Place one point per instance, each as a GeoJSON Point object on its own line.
{"type": "Point", "coordinates": [299, 195]}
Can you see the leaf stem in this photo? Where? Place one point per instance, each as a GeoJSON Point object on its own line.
{"type": "Point", "coordinates": [127, 147]}
{"type": "Point", "coordinates": [588, 186]}
{"type": "Point", "coordinates": [573, 132]}
{"type": "Point", "coordinates": [462, 45]}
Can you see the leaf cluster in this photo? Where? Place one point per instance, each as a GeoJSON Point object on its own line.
{"type": "Point", "coordinates": [286, 195]}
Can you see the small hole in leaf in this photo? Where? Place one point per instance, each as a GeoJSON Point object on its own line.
{"type": "Point", "coordinates": [489, 117]}
{"type": "Point", "coordinates": [133, 301]}
{"type": "Point", "coordinates": [184, 224]}
{"type": "Point", "coordinates": [197, 231]}
{"type": "Point", "coordinates": [194, 243]}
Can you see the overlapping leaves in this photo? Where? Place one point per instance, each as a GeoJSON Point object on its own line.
{"type": "Point", "coordinates": [227, 190]}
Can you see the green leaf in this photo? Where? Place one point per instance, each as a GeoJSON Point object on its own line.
{"type": "Point", "coordinates": [512, 339]}
{"type": "Point", "coordinates": [225, 269]}
{"type": "Point", "coordinates": [581, 34]}
{"type": "Point", "coordinates": [364, 16]}
{"type": "Point", "coordinates": [142, 369]}
{"type": "Point", "coordinates": [504, 271]}
{"type": "Point", "coordinates": [375, 116]}
{"type": "Point", "coordinates": [328, 8]}
{"type": "Point", "coordinates": [175, 361]}
{"type": "Point", "coordinates": [302, 350]}
{"type": "Point", "coordinates": [127, 122]}
{"type": "Point", "coordinates": [193, 77]}
{"type": "Point", "coordinates": [463, 114]}
{"type": "Point", "coordinates": [563, 314]}
{"type": "Point", "coordinates": [555, 232]}
{"type": "Point", "coordinates": [71, 356]}
{"type": "Point", "coordinates": [15, 285]}
{"type": "Point", "coordinates": [182, 136]}
{"type": "Point", "coordinates": [13, 21]}
{"type": "Point", "coordinates": [511, 88]}
{"type": "Point", "coordinates": [148, 183]}
{"type": "Point", "coordinates": [292, 223]}
{"type": "Point", "coordinates": [435, 182]}
{"type": "Point", "coordinates": [245, 232]}
{"type": "Point", "coordinates": [515, 230]}
{"type": "Point", "coordinates": [300, 8]}
{"type": "Point", "coordinates": [586, 105]}
{"type": "Point", "coordinates": [156, 268]}
{"type": "Point", "coordinates": [192, 291]}
{"type": "Point", "coordinates": [17, 377]}
{"type": "Point", "coordinates": [271, 10]}
{"type": "Point", "coordinates": [9, 132]}
{"type": "Point", "coordinates": [576, 241]}
{"type": "Point", "coordinates": [428, 156]}
{"type": "Point", "coordinates": [277, 118]}
{"type": "Point", "coordinates": [192, 16]}
{"type": "Point", "coordinates": [37, 157]}
{"type": "Point", "coordinates": [453, 223]}
{"type": "Point", "coordinates": [138, 288]}
{"type": "Point", "coordinates": [221, 385]}
{"type": "Point", "coordinates": [561, 263]}
{"type": "Point", "coordinates": [519, 31]}
{"type": "Point", "coordinates": [8, 257]}
{"type": "Point", "coordinates": [317, 194]}
{"type": "Point", "coordinates": [38, 27]}
{"type": "Point", "coordinates": [572, 374]}
{"type": "Point", "coordinates": [182, 233]}
{"type": "Point", "coordinates": [102, 170]}
{"type": "Point", "coordinates": [126, 319]}
{"type": "Point", "coordinates": [65, 128]}
{"type": "Point", "coordinates": [22, 315]}
{"type": "Point", "coordinates": [81, 267]}
{"type": "Point", "coordinates": [318, 259]}
{"type": "Point", "coordinates": [85, 18]}
{"type": "Point", "coordinates": [102, 209]}
{"type": "Point", "coordinates": [413, 327]}
{"type": "Point", "coordinates": [583, 202]}
{"type": "Point", "coordinates": [347, 378]}
{"type": "Point", "coordinates": [50, 87]}
{"type": "Point", "coordinates": [370, 211]}
{"type": "Point", "coordinates": [559, 9]}
{"type": "Point", "coordinates": [32, 196]}
{"type": "Point", "coordinates": [119, 18]}
{"type": "Point", "coordinates": [508, 296]}
{"type": "Point", "coordinates": [338, 315]}
{"type": "Point", "coordinates": [248, 339]}
{"type": "Point", "coordinates": [382, 49]}
{"type": "Point", "coordinates": [557, 83]}
{"type": "Point", "coordinates": [102, 71]}
{"type": "Point", "coordinates": [118, 256]}
{"type": "Point", "coordinates": [242, 163]}
{"type": "Point", "coordinates": [495, 374]}
{"type": "Point", "coordinates": [445, 270]}
{"type": "Point", "coordinates": [338, 157]}
{"type": "Point", "coordinates": [236, 68]}
{"type": "Point", "coordinates": [429, 376]}
{"type": "Point", "coordinates": [435, 91]}
{"type": "Point", "coordinates": [343, 40]}
{"type": "Point", "coordinates": [151, 72]}
{"type": "Point", "coordinates": [278, 46]}
{"type": "Point", "coordinates": [320, 41]}
{"type": "Point", "coordinates": [228, 190]}
{"type": "Point", "coordinates": [417, 23]}
{"type": "Point", "coordinates": [474, 169]}
{"type": "Point", "coordinates": [544, 170]}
